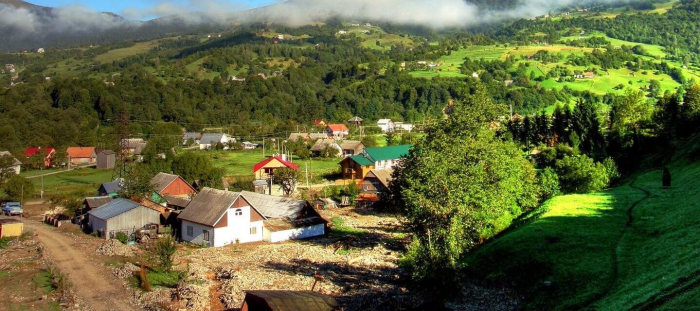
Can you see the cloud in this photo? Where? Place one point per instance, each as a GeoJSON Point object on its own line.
{"type": "Point", "coordinates": [19, 19]}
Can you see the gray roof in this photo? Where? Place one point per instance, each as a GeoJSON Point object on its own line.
{"type": "Point", "coordinates": [192, 135]}
{"type": "Point", "coordinates": [323, 143]}
{"type": "Point", "coordinates": [314, 136]}
{"type": "Point", "coordinates": [113, 209]}
{"type": "Point", "coordinates": [211, 138]}
{"type": "Point", "coordinates": [274, 207]}
{"type": "Point", "coordinates": [112, 187]}
{"type": "Point", "coordinates": [355, 119]}
{"type": "Point", "coordinates": [297, 136]}
{"type": "Point", "coordinates": [95, 202]}
{"type": "Point", "coordinates": [162, 181]}
{"type": "Point", "coordinates": [180, 202]}
{"type": "Point", "coordinates": [108, 152]}
{"type": "Point", "coordinates": [8, 154]}
{"type": "Point", "coordinates": [350, 144]}
{"type": "Point", "coordinates": [208, 206]}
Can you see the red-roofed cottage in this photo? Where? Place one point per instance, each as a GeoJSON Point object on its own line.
{"type": "Point", "coordinates": [263, 169]}
{"type": "Point", "coordinates": [81, 155]}
{"type": "Point", "coordinates": [47, 153]}
{"type": "Point", "coordinates": [337, 130]}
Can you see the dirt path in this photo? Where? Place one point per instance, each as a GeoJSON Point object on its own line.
{"type": "Point", "coordinates": [92, 282]}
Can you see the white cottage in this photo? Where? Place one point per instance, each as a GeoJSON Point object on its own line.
{"type": "Point", "coordinates": [209, 140]}
{"type": "Point", "coordinates": [386, 125]}
{"type": "Point", "coordinates": [218, 218]}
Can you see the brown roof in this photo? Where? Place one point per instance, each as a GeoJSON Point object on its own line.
{"type": "Point", "coordinates": [281, 300]}
{"type": "Point", "coordinates": [350, 144]}
{"type": "Point", "coordinates": [81, 152]}
{"type": "Point", "coordinates": [95, 202]}
{"type": "Point", "coordinates": [384, 176]}
{"type": "Point", "coordinates": [179, 202]}
{"type": "Point", "coordinates": [162, 181]}
{"type": "Point", "coordinates": [9, 221]}
{"type": "Point", "coordinates": [322, 144]}
{"type": "Point", "coordinates": [273, 206]}
{"type": "Point", "coordinates": [297, 136]}
{"type": "Point", "coordinates": [208, 206]}
{"type": "Point", "coordinates": [275, 225]}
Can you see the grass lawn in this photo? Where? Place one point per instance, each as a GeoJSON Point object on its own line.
{"type": "Point", "coordinates": [240, 163]}
{"type": "Point", "coordinates": [582, 245]}
{"type": "Point", "coordinates": [119, 54]}
{"type": "Point", "coordinates": [85, 180]}
{"type": "Point", "coordinates": [654, 50]}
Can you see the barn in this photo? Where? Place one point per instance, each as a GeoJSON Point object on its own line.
{"type": "Point", "coordinates": [121, 215]}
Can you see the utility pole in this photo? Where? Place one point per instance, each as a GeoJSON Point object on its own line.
{"type": "Point", "coordinates": [307, 174]}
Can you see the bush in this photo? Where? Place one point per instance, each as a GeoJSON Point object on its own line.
{"type": "Point", "coordinates": [164, 251]}
{"type": "Point", "coordinates": [549, 183]}
{"type": "Point", "coordinates": [122, 237]}
{"type": "Point", "coordinates": [580, 174]}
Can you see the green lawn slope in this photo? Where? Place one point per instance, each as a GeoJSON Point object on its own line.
{"type": "Point", "coordinates": [632, 247]}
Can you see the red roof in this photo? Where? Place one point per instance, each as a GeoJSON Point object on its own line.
{"type": "Point", "coordinates": [80, 152]}
{"type": "Point", "coordinates": [262, 164]}
{"type": "Point", "coordinates": [338, 127]}
{"type": "Point", "coordinates": [319, 122]}
{"type": "Point", "coordinates": [32, 151]}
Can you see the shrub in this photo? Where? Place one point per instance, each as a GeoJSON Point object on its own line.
{"type": "Point", "coordinates": [580, 174]}
{"type": "Point", "coordinates": [122, 237]}
{"type": "Point", "coordinates": [164, 251]}
{"type": "Point", "coordinates": [549, 183]}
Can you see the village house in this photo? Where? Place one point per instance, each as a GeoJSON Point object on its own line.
{"type": "Point", "coordinates": [589, 75]}
{"type": "Point", "coordinates": [403, 127]}
{"type": "Point", "coordinates": [475, 75]}
{"type": "Point", "coordinates": [133, 146]}
{"type": "Point", "coordinates": [321, 145]}
{"type": "Point", "coordinates": [507, 83]}
{"type": "Point", "coordinates": [280, 37]}
{"type": "Point", "coordinates": [14, 165]}
{"type": "Point", "coordinates": [381, 158]}
{"type": "Point", "coordinates": [278, 300]}
{"type": "Point", "coordinates": [210, 140]}
{"type": "Point", "coordinates": [121, 215]}
{"type": "Point", "coordinates": [171, 185]}
{"type": "Point", "coordinates": [81, 155]}
{"type": "Point", "coordinates": [320, 123]}
{"type": "Point", "coordinates": [106, 159]}
{"type": "Point", "coordinates": [376, 181]}
{"type": "Point", "coordinates": [110, 188]}
{"type": "Point", "coordinates": [337, 130]}
{"type": "Point", "coordinates": [218, 218]}
{"type": "Point", "coordinates": [352, 147]}
{"type": "Point", "coordinates": [264, 169]}
{"type": "Point", "coordinates": [246, 145]}
{"type": "Point", "coordinates": [194, 136]}
{"type": "Point", "coordinates": [46, 153]}
{"type": "Point", "coordinates": [298, 136]}
{"type": "Point", "coordinates": [386, 125]}
{"type": "Point", "coordinates": [40, 50]}
{"type": "Point", "coordinates": [342, 32]}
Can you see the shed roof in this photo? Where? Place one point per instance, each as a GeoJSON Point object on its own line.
{"type": "Point", "coordinates": [179, 202]}
{"type": "Point", "coordinates": [338, 127]}
{"type": "Point", "coordinates": [323, 143]}
{"type": "Point", "coordinates": [211, 138]}
{"type": "Point", "coordinates": [355, 119]}
{"type": "Point", "coordinates": [387, 153]}
{"type": "Point", "coordinates": [384, 176]}
{"type": "Point", "coordinates": [361, 160]}
{"type": "Point", "coordinates": [112, 187]}
{"type": "Point", "coordinates": [208, 206]}
{"type": "Point", "coordinates": [276, 225]}
{"type": "Point", "coordinates": [8, 154]}
{"type": "Point", "coordinates": [95, 202]}
{"type": "Point", "coordinates": [280, 300]}
{"type": "Point", "coordinates": [350, 144]}
{"type": "Point", "coordinates": [262, 164]}
{"type": "Point", "coordinates": [274, 207]}
{"type": "Point", "coordinates": [162, 181]}
{"type": "Point", "coordinates": [80, 152]}
{"type": "Point", "coordinates": [107, 152]}
{"type": "Point", "coordinates": [114, 208]}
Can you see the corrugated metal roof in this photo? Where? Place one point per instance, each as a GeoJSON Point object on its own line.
{"type": "Point", "coordinates": [208, 206]}
{"type": "Point", "coordinates": [211, 138]}
{"type": "Point", "coordinates": [281, 300]}
{"type": "Point", "coordinates": [361, 160]}
{"type": "Point", "coordinates": [112, 187]}
{"type": "Point", "coordinates": [162, 181]}
{"type": "Point", "coordinates": [387, 153]}
{"type": "Point", "coordinates": [272, 206]}
{"type": "Point", "coordinates": [113, 209]}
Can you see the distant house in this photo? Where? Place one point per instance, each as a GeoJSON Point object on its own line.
{"type": "Point", "coordinates": [321, 145]}
{"type": "Point", "coordinates": [320, 123]}
{"type": "Point", "coordinates": [14, 165]}
{"type": "Point", "coordinates": [173, 185]}
{"type": "Point", "coordinates": [368, 25]}
{"type": "Point", "coordinates": [194, 136]}
{"type": "Point", "coordinates": [81, 155]}
{"type": "Point", "coordinates": [40, 50]}
{"type": "Point", "coordinates": [121, 215]}
{"type": "Point", "coordinates": [298, 136]}
{"type": "Point", "coordinates": [264, 169]}
{"type": "Point", "coordinates": [133, 146]}
{"type": "Point", "coordinates": [110, 188]}
{"type": "Point", "coordinates": [589, 75]}
{"type": "Point", "coordinates": [376, 181]}
{"type": "Point", "coordinates": [357, 121]}
{"type": "Point", "coordinates": [507, 83]}
{"type": "Point", "coordinates": [352, 147]}
{"type": "Point", "coordinates": [342, 32]}
{"type": "Point", "coordinates": [278, 300]}
{"type": "Point", "coordinates": [246, 145]}
{"type": "Point", "coordinates": [422, 62]}
{"type": "Point", "coordinates": [403, 127]}
{"type": "Point", "coordinates": [106, 159]}
{"type": "Point", "coordinates": [357, 167]}
{"type": "Point", "coordinates": [218, 218]}
{"type": "Point", "coordinates": [280, 37]}
{"type": "Point", "coordinates": [46, 153]}
{"type": "Point", "coordinates": [91, 203]}
{"type": "Point", "coordinates": [210, 140]}
{"type": "Point", "coordinates": [337, 130]}
{"type": "Point", "coordinates": [386, 125]}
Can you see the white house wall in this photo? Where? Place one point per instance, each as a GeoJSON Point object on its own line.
{"type": "Point", "coordinates": [197, 233]}
{"type": "Point", "coordinates": [295, 234]}
{"type": "Point", "coordinates": [238, 228]}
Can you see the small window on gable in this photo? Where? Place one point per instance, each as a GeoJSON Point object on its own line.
{"type": "Point", "coordinates": [238, 212]}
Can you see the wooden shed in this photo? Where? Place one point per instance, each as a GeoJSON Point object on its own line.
{"type": "Point", "coordinates": [106, 159]}
{"type": "Point", "coordinates": [10, 228]}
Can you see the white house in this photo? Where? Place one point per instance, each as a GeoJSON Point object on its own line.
{"type": "Point", "coordinates": [386, 125]}
{"type": "Point", "coordinates": [337, 130]}
{"type": "Point", "coordinates": [40, 50]}
{"type": "Point", "coordinates": [191, 135]}
{"type": "Point", "coordinates": [218, 218]}
{"type": "Point", "coordinates": [246, 145]}
{"type": "Point", "coordinates": [405, 127]}
{"type": "Point", "coordinates": [280, 37]}
{"type": "Point", "coordinates": [13, 165]}
{"type": "Point", "coordinates": [342, 32]}
{"type": "Point", "coordinates": [209, 140]}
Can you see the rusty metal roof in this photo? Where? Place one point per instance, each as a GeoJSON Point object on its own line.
{"type": "Point", "coordinates": [208, 206]}
{"type": "Point", "coordinates": [280, 300]}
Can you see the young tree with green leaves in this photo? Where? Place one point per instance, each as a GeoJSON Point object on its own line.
{"type": "Point", "coordinates": [17, 188]}
{"type": "Point", "coordinates": [287, 178]}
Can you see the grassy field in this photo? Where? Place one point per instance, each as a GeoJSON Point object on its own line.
{"type": "Point", "coordinates": [654, 50]}
{"type": "Point", "coordinates": [85, 181]}
{"type": "Point", "coordinates": [119, 54]}
{"type": "Point", "coordinates": [240, 163]}
{"type": "Point", "coordinates": [632, 247]}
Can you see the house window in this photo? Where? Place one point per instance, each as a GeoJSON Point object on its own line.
{"type": "Point", "coordinates": [206, 235]}
{"type": "Point", "coordinates": [238, 212]}
{"type": "Point", "coordinates": [253, 230]}
{"type": "Point", "coordinates": [190, 231]}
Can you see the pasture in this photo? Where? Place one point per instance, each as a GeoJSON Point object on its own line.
{"type": "Point", "coordinates": [119, 54]}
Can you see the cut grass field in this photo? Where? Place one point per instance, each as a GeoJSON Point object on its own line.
{"type": "Point", "coordinates": [240, 163]}
{"type": "Point", "coordinates": [632, 247]}
{"type": "Point", "coordinates": [119, 54]}
{"type": "Point", "coordinates": [85, 181]}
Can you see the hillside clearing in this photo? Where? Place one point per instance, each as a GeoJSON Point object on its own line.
{"type": "Point", "coordinates": [119, 54]}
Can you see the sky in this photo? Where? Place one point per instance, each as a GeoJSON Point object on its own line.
{"type": "Point", "coordinates": [148, 9]}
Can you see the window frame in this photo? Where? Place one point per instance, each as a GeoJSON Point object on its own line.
{"type": "Point", "coordinates": [253, 230]}
{"type": "Point", "coordinates": [238, 212]}
{"type": "Point", "coordinates": [206, 236]}
{"type": "Point", "coordinates": [190, 231]}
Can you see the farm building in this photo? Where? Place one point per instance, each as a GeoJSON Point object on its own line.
{"type": "Point", "coordinates": [386, 125]}
{"type": "Point", "coordinates": [337, 130]}
{"type": "Point", "coordinates": [210, 140]}
{"type": "Point", "coordinates": [81, 155]}
{"type": "Point", "coordinates": [376, 181]}
{"type": "Point", "coordinates": [218, 218]}
{"type": "Point", "coordinates": [321, 145]}
{"type": "Point", "coordinates": [91, 203]}
{"type": "Point", "coordinates": [121, 215]}
{"type": "Point", "coordinates": [264, 169]}
{"type": "Point", "coordinates": [194, 136]}
{"type": "Point", "coordinates": [282, 300]}
{"type": "Point", "coordinates": [106, 159]}
{"type": "Point", "coordinates": [110, 188]}
{"type": "Point", "coordinates": [13, 165]}
{"type": "Point", "coordinates": [10, 228]}
{"type": "Point", "coordinates": [46, 153]}
{"type": "Point", "coordinates": [403, 127]}
{"type": "Point", "coordinates": [172, 185]}
{"type": "Point", "coordinates": [177, 203]}
{"type": "Point", "coordinates": [133, 146]}
{"type": "Point", "coordinates": [352, 147]}
{"type": "Point", "coordinates": [357, 167]}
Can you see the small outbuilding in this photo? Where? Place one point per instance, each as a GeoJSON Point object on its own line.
{"type": "Point", "coordinates": [106, 159]}
{"type": "Point", "coordinates": [121, 215]}
{"type": "Point", "coordinates": [283, 300]}
{"type": "Point", "coordinates": [10, 228]}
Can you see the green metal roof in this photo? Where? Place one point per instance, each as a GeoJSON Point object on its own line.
{"type": "Point", "coordinates": [387, 153]}
{"type": "Point", "coordinates": [361, 160]}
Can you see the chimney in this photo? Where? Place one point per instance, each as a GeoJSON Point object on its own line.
{"type": "Point", "coordinates": [284, 157]}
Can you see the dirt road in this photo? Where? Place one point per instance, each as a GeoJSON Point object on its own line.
{"type": "Point", "coordinates": [92, 282]}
